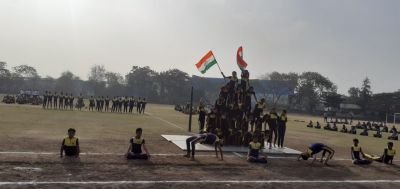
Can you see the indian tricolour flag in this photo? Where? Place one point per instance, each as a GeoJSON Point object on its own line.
{"type": "Point", "coordinates": [206, 62]}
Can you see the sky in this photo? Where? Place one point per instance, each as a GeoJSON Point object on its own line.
{"type": "Point", "coordinates": [344, 40]}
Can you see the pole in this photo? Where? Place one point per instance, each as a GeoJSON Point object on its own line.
{"type": "Point", "coordinates": [221, 71]}
{"type": "Point", "coordinates": [394, 119]}
{"type": "Point", "coordinates": [190, 110]}
{"type": "Point", "coordinates": [386, 119]}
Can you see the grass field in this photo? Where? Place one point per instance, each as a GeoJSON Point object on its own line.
{"type": "Point", "coordinates": [104, 139]}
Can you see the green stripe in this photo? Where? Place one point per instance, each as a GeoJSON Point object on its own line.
{"type": "Point", "coordinates": [209, 65]}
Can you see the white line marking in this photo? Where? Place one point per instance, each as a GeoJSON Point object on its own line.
{"type": "Point", "coordinates": [94, 154]}
{"type": "Point", "coordinates": [197, 182]}
{"type": "Point", "coordinates": [163, 120]}
{"type": "Point", "coordinates": [121, 154]}
{"type": "Point", "coordinates": [237, 154]}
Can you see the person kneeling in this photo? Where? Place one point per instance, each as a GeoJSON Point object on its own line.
{"type": "Point", "coordinates": [254, 152]}
{"type": "Point", "coordinates": [316, 148]}
{"type": "Point", "coordinates": [355, 154]}
{"type": "Point", "coordinates": [204, 138]}
{"type": "Point", "coordinates": [70, 145]}
{"type": "Point", "coordinates": [136, 145]}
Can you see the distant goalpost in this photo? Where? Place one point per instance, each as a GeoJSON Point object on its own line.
{"type": "Point", "coordinates": [394, 117]}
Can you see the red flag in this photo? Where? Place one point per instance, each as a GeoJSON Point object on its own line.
{"type": "Point", "coordinates": [239, 58]}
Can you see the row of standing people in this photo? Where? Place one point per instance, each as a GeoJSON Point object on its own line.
{"type": "Point", "coordinates": [118, 104]}
{"type": "Point", "coordinates": [65, 101]}
{"type": "Point", "coordinates": [61, 101]}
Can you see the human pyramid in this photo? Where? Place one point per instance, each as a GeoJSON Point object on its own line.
{"type": "Point", "coordinates": [233, 119]}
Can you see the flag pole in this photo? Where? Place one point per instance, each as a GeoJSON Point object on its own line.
{"type": "Point", "coordinates": [221, 71]}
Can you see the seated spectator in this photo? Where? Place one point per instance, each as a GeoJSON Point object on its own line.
{"type": "Point", "coordinates": [359, 126]}
{"type": "Point", "coordinates": [385, 129]}
{"type": "Point", "coordinates": [318, 126]}
{"type": "Point", "coordinates": [378, 133]}
{"type": "Point", "coordinates": [365, 132]}
{"type": "Point", "coordinates": [310, 124]}
{"type": "Point", "coordinates": [353, 130]}
{"type": "Point", "coordinates": [369, 125]}
{"type": "Point", "coordinates": [334, 128]}
{"type": "Point", "coordinates": [395, 135]}
{"type": "Point", "coordinates": [344, 129]}
{"type": "Point", "coordinates": [363, 126]}
{"type": "Point", "coordinates": [327, 127]}
{"type": "Point", "coordinates": [393, 129]}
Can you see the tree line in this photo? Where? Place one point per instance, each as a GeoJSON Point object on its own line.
{"type": "Point", "coordinates": [169, 87]}
{"type": "Point", "coordinates": [312, 92]}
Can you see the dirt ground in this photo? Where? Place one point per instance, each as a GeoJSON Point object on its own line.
{"type": "Point", "coordinates": [31, 129]}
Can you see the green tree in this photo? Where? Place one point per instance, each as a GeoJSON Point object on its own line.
{"type": "Point", "coordinates": [67, 82]}
{"type": "Point", "coordinates": [310, 89]}
{"type": "Point", "coordinates": [279, 84]}
{"type": "Point", "coordinates": [26, 71]}
{"type": "Point", "coordinates": [332, 100]}
{"type": "Point", "coordinates": [141, 81]}
{"type": "Point", "coordinates": [97, 77]}
{"type": "Point", "coordinates": [174, 86]}
{"type": "Point", "coordinates": [365, 94]}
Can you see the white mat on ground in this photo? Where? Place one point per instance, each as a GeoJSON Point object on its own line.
{"type": "Point", "coordinates": [180, 141]}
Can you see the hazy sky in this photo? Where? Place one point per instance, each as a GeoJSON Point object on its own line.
{"type": "Point", "coordinates": [345, 40]}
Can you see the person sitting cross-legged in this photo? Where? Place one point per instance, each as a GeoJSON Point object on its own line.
{"type": "Point", "coordinates": [136, 145]}
{"type": "Point", "coordinates": [70, 145]}
{"type": "Point", "coordinates": [356, 151]}
{"type": "Point", "coordinates": [385, 129]}
{"type": "Point", "coordinates": [394, 135]}
{"type": "Point", "coordinates": [327, 127]}
{"type": "Point", "coordinates": [254, 152]}
{"type": "Point", "coordinates": [334, 128]}
{"type": "Point", "coordinates": [318, 126]}
{"type": "Point", "coordinates": [353, 130]}
{"type": "Point", "coordinates": [365, 132]}
{"type": "Point", "coordinates": [310, 124]}
{"type": "Point", "coordinates": [344, 129]}
{"type": "Point", "coordinates": [378, 133]}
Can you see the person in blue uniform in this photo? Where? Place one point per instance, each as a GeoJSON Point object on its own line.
{"type": "Point", "coordinates": [316, 148]}
{"type": "Point", "coordinates": [204, 138]}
